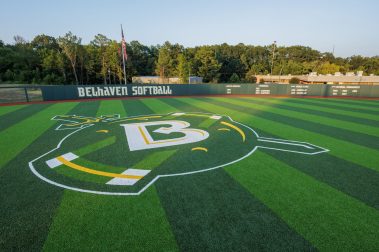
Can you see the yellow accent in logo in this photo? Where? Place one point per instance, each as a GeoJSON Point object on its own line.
{"type": "Point", "coordinates": [196, 115]}
{"type": "Point", "coordinates": [223, 129]}
{"type": "Point", "coordinates": [96, 172]}
{"type": "Point", "coordinates": [196, 130]}
{"type": "Point", "coordinates": [86, 120]}
{"type": "Point", "coordinates": [143, 134]}
{"type": "Point", "coordinates": [237, 129]}
{"type": "Point", "coordinates": [199, 149]}
{"type": "Point", "coordinates": [102, 131]}
{"type": "Point", "coordinates": [136, 118]}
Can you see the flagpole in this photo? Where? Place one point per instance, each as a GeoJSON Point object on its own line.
{"type": "Point", "coordinates": [123, 62]}
{"type": "Point", "coordinates": [123, 56]}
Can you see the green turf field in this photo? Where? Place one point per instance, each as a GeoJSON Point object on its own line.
{"type": "Point", "coordinates": [315, 189]}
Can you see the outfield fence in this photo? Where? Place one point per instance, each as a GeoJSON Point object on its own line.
{"type": "Point", "coordinates": [11, 94]}
{"type": "Point", "coordinates": [19, 93]}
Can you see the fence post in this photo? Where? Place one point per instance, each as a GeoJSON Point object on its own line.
{"type": "Point", "coordinates": [26, 95]}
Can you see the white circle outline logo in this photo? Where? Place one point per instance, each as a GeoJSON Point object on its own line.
{"type": "Point", "coordinates": [310, 149]}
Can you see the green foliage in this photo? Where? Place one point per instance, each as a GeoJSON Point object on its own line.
{"type": "Point", "coordinates": [234, 78]}
{"type": "Point", "coordinates": [290, 67]}
{"type": "Point", "coordinates": [70, 45]}
{"type": "Point", "coordinates": [208, 66]}
{"type": "Point", "coordinates": [100, 45]}
{"type": "Point", "coordinates": [168, 60]}
{"type": "Point", "coordinates": [329, 68]}
{"type": "Point", "coordinates": [183, 68]}
{"type": "Point", "coordinates": [64, 60]}
{"type": "Point", "coordinates": [294, 80]}
{"type": "Point", "coordinates": [250, 78]}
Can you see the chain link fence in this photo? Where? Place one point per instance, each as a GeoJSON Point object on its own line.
{"type": "Point", "coordinates": [18, 93]}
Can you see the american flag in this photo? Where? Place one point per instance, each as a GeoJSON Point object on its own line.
{"type": "Point", "coordinates": [123, 45]}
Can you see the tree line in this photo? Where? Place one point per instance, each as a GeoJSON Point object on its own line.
{"type": "Point", "coordinates": [65, 60]}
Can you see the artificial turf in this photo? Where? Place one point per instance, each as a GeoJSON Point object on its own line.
{"type": "Point", "coordinates": [270, 201]}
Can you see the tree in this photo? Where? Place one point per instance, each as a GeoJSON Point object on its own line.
{"type": "Point", "coordinates": [101, 43]}
{"type": "Point", "coordinates": [183, 68]}
{"type": "Point", "coordinates": [114, 62]}
{"type": "Point", "coordinates": [168, 60]}
{"type": "Point", "coordinates": [208, 65]}
{"type": "Point", "coordinates": [48, 50]}
{"type": "Point", "coordinates": [143, 57]}
{"type": "Point", "coordinates": [70, 45]}
{"type": "Point", "coordinates": [371, 66]}
{"type": "Point", "coordinates": [294, 80]}
{"type": "Point", "coordinates": [44, 42]}
{"type": "Point", "coordinates": [289, 67]}
{"type": "Point", "coordinates": [328, 68]}
{"type": "Point", "coordinates": [250, 76]}
{"type": "Point", "coordinates": [65, 60]}
{"type": "Point", "coordinates": [234, 78]}
{"type": "Point", "coordinates": [19, 41]}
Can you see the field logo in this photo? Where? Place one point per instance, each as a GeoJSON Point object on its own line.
{"type": "Point", "coordinates": [124, 156]}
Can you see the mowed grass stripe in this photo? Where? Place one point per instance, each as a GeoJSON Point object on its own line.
{"type": "Point", "coordinates": [183, 106]}
{"type": "Point", "coordinates": [352, 179]}
{"type": "Point", "coordinates": [135, 107]}
{"type": "Point", "coordinates": [196, 204]}
{"type": "Point", "coordinates": [17, 137]}
{"type": "Point", "coordinates": [188, 108]}
{"type": "Point", "coordinates": [306, 123]}
{"type": "Point", "coordinates": [354, 127]}
{"type": "Point", "coordinates": [326, 217]}
{"type": "Point", "coordinates": [111, 107]}
{"type": "Point", "coordinates": [313, 110]}
{"type": "Point", "coordinates": [369, 104]}
{"type": "Point", "coordinates": [212, 212]}
{"type": "Point", "coordinates": [8, 109]}
{"type": "Point", "coordinates": [113, 222]}
{"type": "Point", "coordinates": [110, 223]}
{"type": "Point", "coordinates": [338, 148]}
{"type": "Point", "coordinates": [356, 106]}
{"type": "Point", "coordinates": [159, 105]}
{"type": "Point", "coordinates": [301, 102]}
{"type": "Point", "coordinates": [349, 178]}
{"type": "Point", "coordinates": [28, 204]}
{"type": "Point", "coordinates": [14, 117]}
{"type": "Point", "coordinates": [343, 107]}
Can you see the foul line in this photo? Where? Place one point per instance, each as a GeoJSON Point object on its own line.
{"type": "Point", "coordinates": [91, 171]}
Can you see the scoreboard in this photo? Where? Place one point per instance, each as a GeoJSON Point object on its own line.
{"type": "Point", "coordinates": [263, 89]}
{"type": "Point", "coordinates": [345, 90]}
{"type": "Point", "coordinates": [299, 89]}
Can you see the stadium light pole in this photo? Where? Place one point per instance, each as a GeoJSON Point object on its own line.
{"type": "Point", "coordinates": [273, 55]}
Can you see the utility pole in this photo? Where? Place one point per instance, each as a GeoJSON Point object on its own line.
{"type": "Point", "coordinates": [273, 55]}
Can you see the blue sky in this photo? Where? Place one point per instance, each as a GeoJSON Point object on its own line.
{"type": "Point", "coordinates": [351, 26]}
